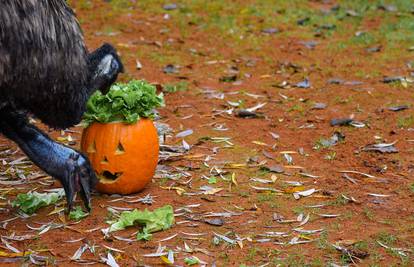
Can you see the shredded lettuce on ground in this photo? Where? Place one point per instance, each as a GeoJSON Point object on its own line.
{"type": "Point", "coordinates": [77, 214]}
{"type": "Point", "coordinates": [152, 221]}
{"type": "Point", "coordinates": [125, 102]}
{"type": "Point", "coordinates": [30, 202]}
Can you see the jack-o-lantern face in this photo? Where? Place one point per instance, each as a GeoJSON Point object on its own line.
{"type": "Point", "coordinates": [124, 156]}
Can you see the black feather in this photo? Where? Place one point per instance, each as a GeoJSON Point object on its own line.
{"type": "Point", "coordinates": [45, 68]}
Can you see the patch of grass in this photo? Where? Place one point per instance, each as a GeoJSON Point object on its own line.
{"type": "Point", "coordinates": [339, 201]}
{"type": "Point", "coordinates": [369, 214]}
{"type": "Point", "coordinates": [297, 108]}
{"type": "Point", "coordinates": [330, 156]}
{"type": "Point", "coordinates": [165, 57]}
{"type": "Point", "coordinates": [389, 240]}
{"type": "Point", "coordinates": [275, 205]}
{"type": "Point", "coordinates": [291, 260]}
{"type": "Point", "coordinates": [265, 197]}
{"type": "Point", "coordinates": [252, 254]}
{"type": "Point", "coordinates": [317, 263]}
{"type": "Point", "coordinates": [412, 188]}
{"type": "Point", "coordinates": [386, 238]}
{"type": "Point", "coordinates": [244, 194]}
{"type": "Point", "coordinates": [109, 30]}
{"type": "Point", "coordinates": [347, 215]}
{"type": "Point", "coordinates": [224, 257]}
{"type": "Point", "coordinates": [163, 181]}
{"type": "Point", "coordinates": [343, 101]}
{"type": "Point", "coordinates": [405, 122]}
{"type": "Point", "coordinates": [397, 32]}
{"type": "Point", "coordinates": [176, 87]}
{"type": "Point", "coordinates": [83, 4]}
{"type": "Point", "coordinates": [361, 245]}
{"type": "Point", "coordinates": [322, 242]}
{"type": "Point", "coordinates": [336, 226]}
{"type": "Point", "coordinates": [120, 5]}
{"type": "Point", "coordinates": [363, 39]}
{"type": "Point", "coordinates": [387, 222]}
{"type": "Point", "coordinates": [298, 210]}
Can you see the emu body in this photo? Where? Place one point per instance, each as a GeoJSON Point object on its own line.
{"type": "Point", "coordinates": [46, 71]}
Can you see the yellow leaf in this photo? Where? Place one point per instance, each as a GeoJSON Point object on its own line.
{"type": "Point", "coordinates": [166, 260]}
{"type": "Point", "coordinates": [15, 255]}
{"type": "Point", "coordinates": [295, 189]}
{"type": "Point", "coordinates": [265, 76]}
{"type": "Point", "coordinates": [288, 152]}
{"type": "Point", "coordinates": [56, 210]}
{"type": "Point", "coordinates": [305, 237]}
{"type": "Point", "coordinates": [213, 191]}
{"type": "Point", "coordinates": [73, 229]}
{"type": "Point", "coordinates": [235, 166]}
{"type": "Point", "coordinates": [320, 196]}
{"type": "Point", "coordinates": [179, 190]}
{"type": "Point", "coordinates": [62, 218]}
{"type": "Point", "coordinates": [240, 243]}
{"type": "Point", "coordinates": [195, 156]}
{"type": "Point", "coordinates": [124, 45]}
{"type": "Point", "coordinates": [233, 179]}
{"type": "Point", "coordinates": [244, 11]}
{"type": "Point", "coordinates": [259, 143]}
{"type": "Point", "coordinates": [293, 167]}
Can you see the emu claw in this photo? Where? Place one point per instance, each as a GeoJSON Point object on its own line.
{"type": "Point", "coordinates": [79, 177]}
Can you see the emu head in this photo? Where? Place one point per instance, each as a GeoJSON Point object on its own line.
{"type": "Point", "coordinates": [104, 67]}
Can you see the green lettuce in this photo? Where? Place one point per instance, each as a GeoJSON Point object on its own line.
{"type": "Point", "coordinates": [125, 102]}
{"type": "Point", "coordinates": [152, 221]}
{"type": "Point", "coordinates": [77, 214]}
{"type": "Point", "coordinates": [30, 202]}
{"type": "Point", "coordinates": [192, 260]}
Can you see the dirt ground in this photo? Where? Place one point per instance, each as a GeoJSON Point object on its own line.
{"type": "Point", "coordinates": [279, 191]}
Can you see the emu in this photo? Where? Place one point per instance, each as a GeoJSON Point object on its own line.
{"type": "Point", "coordinates": [47, 72]}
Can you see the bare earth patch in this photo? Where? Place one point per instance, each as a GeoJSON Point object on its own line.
{"type": "Point", "coordinates": [301, 149]}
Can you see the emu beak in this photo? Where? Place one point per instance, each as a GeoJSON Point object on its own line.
{"type": "Point", "coordinates": [109, 68]}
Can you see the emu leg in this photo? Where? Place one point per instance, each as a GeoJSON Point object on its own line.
{"type": "Point", "coordinates": [70, 167]}
{"type": "Point", "coordinates": [104, 66]}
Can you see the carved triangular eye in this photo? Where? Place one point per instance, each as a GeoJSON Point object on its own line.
{"type": "Point", "coordinates": [91, 148]}
{"type": "Point", "coordinates": [120, 149]}
{"type": "Point", "coordinates": [105, 160]}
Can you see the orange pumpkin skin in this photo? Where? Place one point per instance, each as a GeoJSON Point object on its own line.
{"type": "Point", "coordinates": [129, 151]}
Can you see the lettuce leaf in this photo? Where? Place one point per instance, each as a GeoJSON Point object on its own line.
{"type": "Point", "coordinates": [30, 202]}
{"type": "Point", "coordinates": [192, 260]}
{"type": "Point", "coordinates": [77, 214]}
{"type": "Point", "coordinates": [152, 221]}
{"type": "Point", "coordinates": [125, 102]}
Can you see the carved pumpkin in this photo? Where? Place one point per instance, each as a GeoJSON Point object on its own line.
{"type": "Point", "coordinates": [124, 156]}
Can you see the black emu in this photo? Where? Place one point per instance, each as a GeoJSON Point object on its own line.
{"type": "Point", "coordinates": [46, 71]}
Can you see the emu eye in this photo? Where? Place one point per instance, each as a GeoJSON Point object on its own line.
{"type": "Point", "coordinates": [120, 149]}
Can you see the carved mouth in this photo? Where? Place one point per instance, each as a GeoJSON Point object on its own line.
{"type": "Point", "coordinates": [109, 177]}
